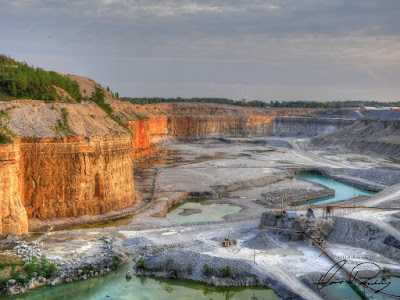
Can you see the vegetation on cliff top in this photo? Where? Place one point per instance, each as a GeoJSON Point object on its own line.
{"type": "Point", "coordinates": [243, 102]}
{"type": "Point", "coordinates": [98, 96]}
{"type": "Point", "coordinates": [5, 135]}
{"type": "Point", "coordinates": [18, 80]}
{"type": "Point", "coordinates": [62, 124]}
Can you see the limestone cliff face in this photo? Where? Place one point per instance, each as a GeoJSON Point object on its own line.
{"type": "Point", "coordinates": [158, 127]}
{"type": "Point", "coordinates": [206, 126]}
{"type": "Point", "coordinates": [67, 160]}
{"type": "Point", "coordinates": [308, 126]}
{"type": "Point", "coordinates": [145, 132]}
{"type": "Point", "coordinates": [13, 218]}
{"type": "Point", "coordinates": [67, 177]}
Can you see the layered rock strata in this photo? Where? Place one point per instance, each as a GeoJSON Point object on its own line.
{"type": "Point", "coordinates": [12, 212]}
{"type": "Point", "coordinates": [65, 177]}
{"type": "Point", "coordinates": [371, 136]}
{"type": "Point", "coordinates": [308, 126]}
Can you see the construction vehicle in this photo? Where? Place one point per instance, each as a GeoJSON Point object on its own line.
{"type": "Point", "coordinates": [227, 242]}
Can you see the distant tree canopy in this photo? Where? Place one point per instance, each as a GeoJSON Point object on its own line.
{"type": "Point", "coordinates": [21, 81]}
{"type": "Point", "coordinates": [252, 103]}
{"type": "Point", "coordinates": [98, 96]}
{"type": "Point", "coordinates": [258, 103]}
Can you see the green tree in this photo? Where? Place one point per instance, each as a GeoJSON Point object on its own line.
{"type": "Point", "coordinates": [98, 95]}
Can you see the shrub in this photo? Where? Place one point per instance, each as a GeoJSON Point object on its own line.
{"type": "Point", "coordinates": [227, 272]}
{"type": "Point", "coordinates": [207, 271]}
{"type": "Point", "coordinates": [62, 124]}
{"type": "Point", "coordinates": [116, 260]}
{"type": "Point", "coordinates": [32, 265]}
{"type": "Point", "coordinates": [5, 136]}
{"type": "Point", "coordinates": [142, 263]}
{"type": "Point", "coordinates": [98, 96]}
{"type": "Point", "coordinates": [5, 139]}
{"type": "Point", "coordinates": [43, 267]}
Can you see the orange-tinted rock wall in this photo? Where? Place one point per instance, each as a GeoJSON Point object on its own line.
{"type": "Point", "coordinates": [158, 128]}
{"type": "Point", "coordinates": [74, 176]}
{"type": "Point", "coordinates": [147, 131]}
{"type": "Point", "coordinates": [217, 126]}
{"type": "Point", "coordinates": [13, 217]}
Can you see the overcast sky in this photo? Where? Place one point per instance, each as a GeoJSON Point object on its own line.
{"type": "Point", "coordinates": [261, 49]}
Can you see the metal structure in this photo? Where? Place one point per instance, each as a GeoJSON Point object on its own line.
{"type": "Point", "coordinates": [331, 211]}
{"type": "Point", "coordinates": [320, 244]}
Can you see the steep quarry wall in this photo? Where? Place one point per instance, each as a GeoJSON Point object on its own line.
{"type": "Point", "coordinates": [13, 217]}
{"type": "Point", "coordinates": [308, 126]}
{"type": "Point", "coordinates": [158, 127]}
{"type": "Point", "coordinates": [188, 127]}
{"type": "Point", "coordinates": [64, 177]}
{"type": "Point", "coordinates": [371, 136]}
{"type": "Point", "coordinates": [205, 120]}
{"type": "Point", "coordinates": [210, 109]}
{"type": "Point", "coordinates": [145, 132]}
{"type": "Point", "coordinates": [66, 160]}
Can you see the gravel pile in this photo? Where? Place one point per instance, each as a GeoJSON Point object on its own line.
{"type": "Point", "coordinates": [150, 249]}
{"type": "Point", "coordinates": [381, 176]}
{"type": "Point", "coordinates": [139, 241]}
{"type": "Point", "coordinates": [262, 241]}
{"type": "Point", "coordinates": [279, 143]}
{"type": "Point", "coordinates": [274, 198]}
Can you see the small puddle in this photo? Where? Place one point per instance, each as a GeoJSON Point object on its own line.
{"type": "Point", "coordinates": [192, 211]}
{"type": "Point", "coordinates": [100, 224]}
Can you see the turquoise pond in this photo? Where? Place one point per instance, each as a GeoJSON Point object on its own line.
{"type": "Point", "coordinates": [343, 191]}
{"type": "Point", "coordinates": [115, 286]}
{"type": "Point", "coordinates": [344, 291]}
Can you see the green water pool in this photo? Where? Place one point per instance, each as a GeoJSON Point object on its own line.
{"type": "Point", "coordinates": [343, 191]}
{"type": "Point", "coordinates": [116, 286]}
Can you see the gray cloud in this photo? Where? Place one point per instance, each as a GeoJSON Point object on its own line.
{"type": "Point", "coordinates": [307, 49]}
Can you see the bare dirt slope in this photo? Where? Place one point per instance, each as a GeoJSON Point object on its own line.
{"type": "Point", "coordinates": [87, 86]}
{"type": "Point", "coordinates": [59, 120]}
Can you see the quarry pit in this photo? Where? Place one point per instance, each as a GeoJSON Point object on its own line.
{"type": "Point", "coordinates": [111, 190]}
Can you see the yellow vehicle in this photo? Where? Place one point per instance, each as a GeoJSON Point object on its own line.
{"type": "Point", "coordinates": [227, 242]}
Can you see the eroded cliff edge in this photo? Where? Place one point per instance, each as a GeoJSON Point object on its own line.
{"type": "Point", "coordinates": [66, 160]}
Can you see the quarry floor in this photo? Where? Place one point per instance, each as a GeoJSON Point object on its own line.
{"type": "Point", "coordinates": [237, 172]}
